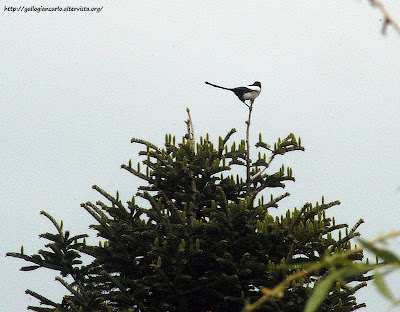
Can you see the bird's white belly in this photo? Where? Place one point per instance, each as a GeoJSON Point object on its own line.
{"type": "Point", "coordinates": [251, 95]}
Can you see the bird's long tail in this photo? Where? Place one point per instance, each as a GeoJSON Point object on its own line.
{"type": "Point", "coordinates": [211, 84]}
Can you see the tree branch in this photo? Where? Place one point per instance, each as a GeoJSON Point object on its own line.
{"type": "Point", "coordinates": [190, 127]}
{"type": "Point", "coordinates": [248, 161]}
{"type": "Point", "coordinates": [388, 20]}
{"type": "Point", "coordinates": [265, 167]}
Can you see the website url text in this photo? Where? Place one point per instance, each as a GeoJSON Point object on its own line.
{"type": "Point", "coordinates": [39, 9]}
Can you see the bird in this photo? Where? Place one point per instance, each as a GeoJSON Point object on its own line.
{"type": "Point", "coordinates": [249, 92]}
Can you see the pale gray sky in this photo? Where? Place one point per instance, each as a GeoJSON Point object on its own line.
{"type": "Point", "coordinates": [76, 86]}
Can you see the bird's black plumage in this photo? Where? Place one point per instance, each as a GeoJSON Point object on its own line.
{"type": "Point", "coordinates": [249, 92]}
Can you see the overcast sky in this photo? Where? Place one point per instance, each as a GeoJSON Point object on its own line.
{"type": "Point", "coordinates": [75, 87]}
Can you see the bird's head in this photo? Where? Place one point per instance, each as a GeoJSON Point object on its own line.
{"type": "Point", "coordinates": [257, 83]}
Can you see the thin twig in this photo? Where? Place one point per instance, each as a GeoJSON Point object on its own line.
{"type": "Point", "coordinates": [193, 186]}
{"type": "Point", "coordinates": [384, 237]}
{"type": "Point", "coordinates": [248, 161]}
{"type": "Point", "coordinates": [388, 20]}
{"type": "Point", "coordinates": [265, 167]}
{"type": "Point", "coordinates": [270, 159]}
{"type": "Point", "coordinates": [190, 127]}
{"type": "Point", "coordinates": [278, 290]}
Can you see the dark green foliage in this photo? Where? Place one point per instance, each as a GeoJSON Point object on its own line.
{"type": "Point", "coordinates": [202, 244]}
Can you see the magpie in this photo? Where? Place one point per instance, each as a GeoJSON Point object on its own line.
{"type": "Point", "coordinates": [243, 93]}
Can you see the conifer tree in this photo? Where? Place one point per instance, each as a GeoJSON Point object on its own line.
{"type": "Point", "coordinates": [207, 240]}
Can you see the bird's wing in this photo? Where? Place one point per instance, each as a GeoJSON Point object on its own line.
{"type": "Point", "coordinates": [244, 89]}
